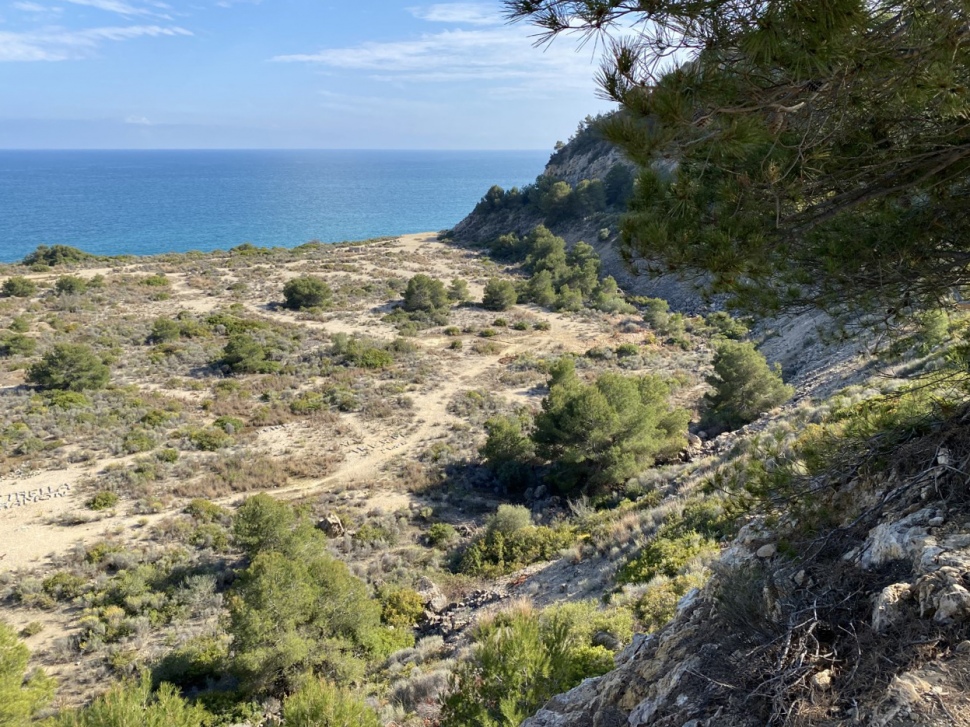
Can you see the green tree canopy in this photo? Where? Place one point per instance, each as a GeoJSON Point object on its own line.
{"type": "Point", "coordinates": [71, 367]}
{"type": "Point", "coordinates": [605, 432]}
{"type": "Point", "coordinates": [22, 695]}
{"type": "Point", "coordinates": [817, 153]}
{"type": "Point", "coordinates": [296, 609]}
{"type": "Point", "coordinates": [133, 704]}
{"type": "Point", "coordinates": [499, 295]}
{"type": "Point", "coordinates": [307, 291]}
{"type": "Point", "coordinates": [18, 286]}
{"type": "Point", "coordinates": [744, 385]}
{"type": "Point", "coordinates": [425, 293]}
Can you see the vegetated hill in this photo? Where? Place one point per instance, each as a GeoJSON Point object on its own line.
{"type": "Point", "coordinates": [845, 596]}
{"type": "Point", "coordinates": [580, 195]}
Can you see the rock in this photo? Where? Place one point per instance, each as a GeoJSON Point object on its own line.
{"type": "Point", "coordinates": [903, 539]}
{"type": "Point", "coordinates": [936, 522]}
{"type": "Point", "coordinates": [889, 608]}
{"type": "Point", "coordinates": [799, 578]}
{"type": "Point", "coordinates": [431, 595]}
{"type": "Point", "coordinates": [332, 526]}
{"type": "Point", "coordinates": [540, 492]}
{"type": "Point", "coordinates": [963, 647]}
{"type": "Point", "coordinates": [767, 551]}
{"type": "Point", "coordinates": [954, 605]}
{"type": "Point", "coordinates": [823, 679]}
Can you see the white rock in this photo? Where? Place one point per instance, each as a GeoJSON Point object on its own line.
{"type": "Point", "coordinates": [903, 539]}
{"type": "Point", "coordinates": [888, 608]}
{"type": "Point", "coordinates": [767, 551]}
{"type": "Point", "coordinates": [954, 604]}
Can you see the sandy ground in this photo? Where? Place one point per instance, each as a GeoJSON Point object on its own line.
{"type": "Point", "coordinates": [43, 514]}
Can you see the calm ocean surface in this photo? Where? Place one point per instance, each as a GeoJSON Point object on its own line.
{"type": "Point", "coordinates": [148, 202]}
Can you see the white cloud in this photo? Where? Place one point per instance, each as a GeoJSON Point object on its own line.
{"type": "Point", "coordinates": [120, 7]}
{"type": "Point", "coordinates": [138, 121]}
{"type": "Point", "coordinates": [495, 54]}
{"type": "Point", "coordinates": [55, 44]}
{"type": "Point", "coordinates": [459, 13]}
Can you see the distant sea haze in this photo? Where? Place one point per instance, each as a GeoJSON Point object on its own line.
{"type": "Point", "coordinates": [151, 202]}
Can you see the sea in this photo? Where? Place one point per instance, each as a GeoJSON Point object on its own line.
{"type": "Point", "coordinates": [151, 202]}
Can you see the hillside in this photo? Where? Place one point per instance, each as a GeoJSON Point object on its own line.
{"type": "Point", "coordinates": [470, 479]}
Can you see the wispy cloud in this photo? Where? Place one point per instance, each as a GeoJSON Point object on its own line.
{"type": "Point", "coordinates": [55, 44]}
{"type": "Point", "coordinates": [501, 56]}
{"type": "Point", "coordinates": [459, 13]}
{"type": "Point", "coordinates": [123, 8]}
{"type": "Point", "coordinates": [138, 120]}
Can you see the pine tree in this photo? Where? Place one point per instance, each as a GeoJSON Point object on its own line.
{"type": "Point", "coordinates": [818, 153]}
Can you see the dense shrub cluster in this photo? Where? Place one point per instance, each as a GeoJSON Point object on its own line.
{"type": "Point", "coordinates": [522, 658]}
{"type": "Point", "coordinates": [306, 291]}
{"type": "Point", "coordinates": [511, 541]}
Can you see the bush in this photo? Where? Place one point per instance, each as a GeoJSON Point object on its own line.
{"type": "Point", "coordinates": [70, 285]}
{"type": "Point", "coordinates": [511, 542]}
{"type": "Point", "coordinates": [441, 535]}
{"type": "Point", "coordinates": [425, 293]}
{"type": "Point", "coordinates": [321, 704]}
{"type": "Point", "coordinates": [744, 386]}
{"type": "Point", "coordinates": [133, 703]}
{"type": "Point", "coordinates": [103, 500]}
{"type": "Point", "coordinates": [165, 330]}
{"type": "Point", "coordinates": [56, 255]}
{"type": "Point", "coordinates": [245, 355]}
{"type": "Point", "coordinates": [508, 452]}
{"type": "Point", "coordinates": [499, 295]}
{"type": "Point", "coordinates": [16, 344]}
{"type": "Point", "coordinates": [21, 697]}
{"type": "Point", "coordinates": [401, 608]}
{"type": "Point", "coordinates": [521, 659]}
{"type": "Point", "coordinates": [458, 291]}
{"type": "Point", "coordinates": [71, 367]}
{"type": "Point", "coordinates": [209, 439]}
{"type": "Point", "coordinates": [306, 291]}
{"type": "Point", "coordinates": [19, 287]}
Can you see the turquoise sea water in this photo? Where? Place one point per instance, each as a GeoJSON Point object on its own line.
{"type": "Point", "coordinates": [149, 202]}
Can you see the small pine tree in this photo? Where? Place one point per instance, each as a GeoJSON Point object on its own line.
{"type": "Point", "coordinates": [499, 295]}
{"type": "Point", "coordinates": [70, 366]}
{"type": "Point", "coordinates": [306, 291]}
{"type": "Point", "coordinates": [426, 294]}
{"type": "Point", "coordinates": [20, 697]}
{"type": "Point", "coordinates": [19, 287]}
{"type": "Point", "coordinates": [744, 386]}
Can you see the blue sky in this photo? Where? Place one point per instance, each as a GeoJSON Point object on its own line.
{"type": "Point", "coordinates": [386, 74]}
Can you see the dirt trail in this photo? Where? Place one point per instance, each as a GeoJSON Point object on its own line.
{"type": "Point", "coordinates": [42, 514]}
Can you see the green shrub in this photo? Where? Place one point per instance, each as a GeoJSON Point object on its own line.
{"type": "Point", "coordinates": [667, 554]}
{"type": "Point", "coordinates": [103, 500]}
{"type": "Point", "coordinates": [165, 330]}
{"type": "Point", "coordinates": [64, 586]}
{"type": "Point", "coordinates": [321, 704]}
{"type": "Point", "coordinates": [157, 280]}
{"type": "Point", "coordinates": [71, 367]}
{"type": "Point", "coordinates": [308, 402]}
{"type": "Point", "coordinates": [425, 293]}
{"type": "Point", "coordinates": [56, 255]}
{"type": "Point", "coordinates": [456, 345]}
{"type": "Point", "coordinates": [401, 608]}
{"type": "Point", "coordinates": [244, 355]}
{"type": "Point", "coordinates": [509, 452]}
{"type": "Point", "coordinates": [16, 344]}
{"type": "Point", "coordinates": [521, 659]}
{"type": "Point", "coordinates": [209, 439]}
{"type": "Point", "coordinates": [306, 291]}
{"type": "Point", "coordinates": [230, 425]}
{"type": "Point", "coordinates": [138, 440]}
{"type": "Point", "coordinates": [499, 295]}
{"type": "Point", "coordinates": [31, 629]}
{"type": "Point", "coordinates": [19, 287]}
{"type": "Point", "coordinates": [724, 325]}
{"type": "Point", "coordinates": [133, 703]}
{"type": "Point", "coordinates": [22, 695]}
{"type": "Point", "coordinates": [208, 512]}
{"type": "Point", "coordinates": [458, 291]}
{"type": "Point", "coordinates": [520, 326]}
{"type": "Point", "coordinates": [511, 542]}
{"type": "Point", "coordinates": [196, 664]}
{"type": "Point", "coordinates": [168, 455]}
{"type": "Point", "coordinates": [744, 386]}
{"type": "Point", "coordinates": [487, 333]}
{"type": "Point", "coordinates": [441, 535]}
{"type": "Point", "coordinates": [20, 324]}
{"type": "Point", "coordinates": [67, 399]}
{"type": "Point", "coordinates": [452, 331]}
{"type": "Point", "coordinates": [70, 285]}
{"type": "Point", "coordinates": [360, 352]}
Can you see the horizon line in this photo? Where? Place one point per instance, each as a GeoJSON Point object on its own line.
{"type": "Point", "coordinates": [262, 148]}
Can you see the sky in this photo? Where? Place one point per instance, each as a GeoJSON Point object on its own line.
{"type": "Point", "coordinates": [369, 74]}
